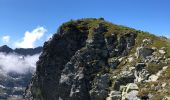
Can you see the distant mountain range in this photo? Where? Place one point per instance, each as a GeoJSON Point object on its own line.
{"type": "Point", "coordinates": [21, 51]}
{"type": "Point", "coordinates": [13, 84]}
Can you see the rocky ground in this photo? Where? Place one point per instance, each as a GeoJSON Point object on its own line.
{"type": "Point", "coordinates": [12, 85]}
{"type": "Point", "coordinates": [92, 59]}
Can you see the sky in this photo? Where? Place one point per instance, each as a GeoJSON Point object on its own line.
{"type": "Point", "coordinates": [28, 23]}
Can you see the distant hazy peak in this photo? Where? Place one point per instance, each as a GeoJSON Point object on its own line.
{"type": "Point", "coordinates": [21, 51]}
{"type": "Point", "coordinates": [6, 49]}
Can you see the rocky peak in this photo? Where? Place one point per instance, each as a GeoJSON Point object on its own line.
{"type": "Point", "coordinates": [5, 49]}
{"type": "Point", "coordinates": [91, 59]}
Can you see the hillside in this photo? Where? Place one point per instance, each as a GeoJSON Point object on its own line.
{"type": "Point", "coordinates": [92, 59]}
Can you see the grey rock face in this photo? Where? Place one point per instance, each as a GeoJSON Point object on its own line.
{"type": "Point", "coordinates": [120, 46]}
{"type": "Point", "coordinates": [125, 43]}
{"type": "Point", "coordinates": [99, 88]}
{"type": "Point", "coordinates": [111, 44]}
{"type": "Point", "coordinates": [79, 83]}
{"type": "Point", "coordinates": [73, 68]}
{"type": "Point", "coordinates": [56, 53]}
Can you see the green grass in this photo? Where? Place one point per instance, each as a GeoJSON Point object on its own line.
{"type": "Point", "coordinates": [167, 72]}
{"type": "Point", "coordinates": [154, 68]}
{"type": "Point", "coordinates": [91, 23]}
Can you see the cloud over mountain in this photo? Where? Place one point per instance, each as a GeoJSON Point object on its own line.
{"type": "Point", "coordinates": [30, 38]}
{"type": "Point", "coordinates": [17, 63]}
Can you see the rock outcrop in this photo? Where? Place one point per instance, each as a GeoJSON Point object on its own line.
{"type": "Point", "coordinates": [91, 59]}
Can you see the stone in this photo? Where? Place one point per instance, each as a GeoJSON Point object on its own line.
{"type": "Point", "coordinates": [113, 62]}
{"type": "Point", "coordinates": [139, 66]}
{"type": "Point", "coordinates": [123, 79]}
{"type": "Point", "coordinates": [166, 98]}
{"type": "Point", "coordinates": [162, 52]}
{"type": "Point", "coordinates": [131, 69]}
{"type": "Point", "coordinates": [154, 48]}
{"type": "Point", "coordinates": [147, 41]}
{"type": "Point", "coordinates": [142, 75]}
{"type": "Point", "coordinates": [133, 86]}
{"type": "Point", "coordinates": [163, 85]}
{"type": "Point", "coordinates": [132, 95]}
{"type": "Point", "coordinates": [153, 78]}
{"type": "Point", "coordinates": [130, 59]}
{"type": "Point", "coordinates": [144, 52]}
{"type": "Point", "coordinates": [164, 68]}
{"type": "Point", "coordinates": [114, 95]}
{"type": "Point", "coordinates": [157, 75]}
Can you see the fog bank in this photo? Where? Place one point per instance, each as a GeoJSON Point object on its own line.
{"type": "Point", "coordinates": [17, 63]}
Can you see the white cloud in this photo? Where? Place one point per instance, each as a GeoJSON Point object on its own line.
{"type": "Point", "coordinates": [17, 63]}
{"type": "Point", "coordinates": [5, 39]}
{"type": "Point", "coordinates": [31, 37]}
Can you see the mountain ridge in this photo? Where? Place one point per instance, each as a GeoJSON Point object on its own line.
{"type": "Point", "coordinates": [21, 51]}
{"type": "Point", "coordinates": [92, 59]}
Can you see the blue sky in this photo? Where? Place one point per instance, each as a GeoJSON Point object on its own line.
{"type": "Point", "coordinates": [36, 20]}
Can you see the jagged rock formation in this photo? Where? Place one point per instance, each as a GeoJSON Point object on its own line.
{"type": "Point", "coordinates": [91, 59]}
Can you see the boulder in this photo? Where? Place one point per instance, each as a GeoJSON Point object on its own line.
{"type": "Point", "coordinates": [123, 79]}
{"type": "Point", "coordinates": [162, 52]}
{"type": "Point", "coordinates": [132, 95]}
{"type": "Point", "coordinates": [114, 95]}
{"type": "Point", "coordinates": [133, 86]}
{"type": "Point", "coordinates": [141, 75]}
{"type": "Point", "coordinates": [144, 52]}
{"type": "Point", "coordinates": [153, 78]}
{"type": "Point", "coordinates": [146, 41]}
{"type": "Point", "coordinates": [139, 66]}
